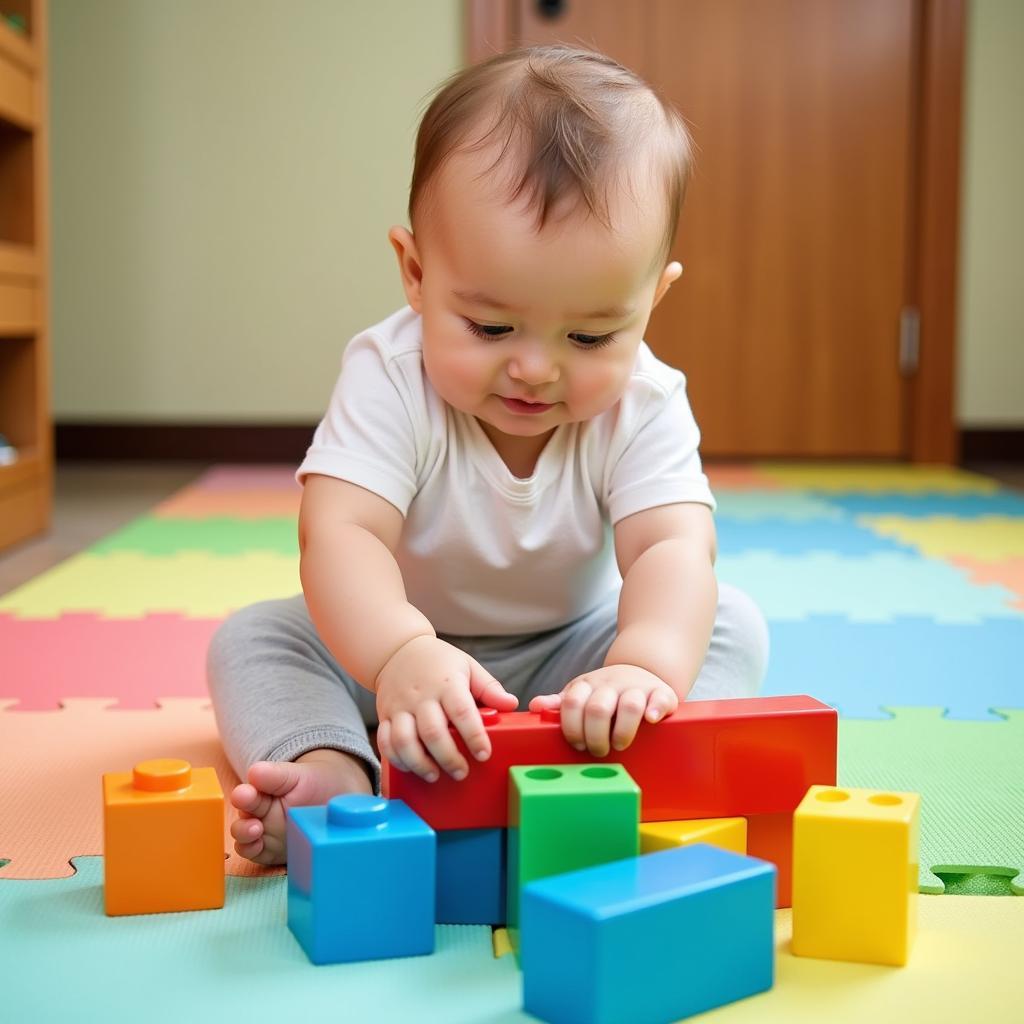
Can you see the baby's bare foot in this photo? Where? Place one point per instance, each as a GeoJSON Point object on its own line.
{"type": "Point", "coordinates": [274, 786]}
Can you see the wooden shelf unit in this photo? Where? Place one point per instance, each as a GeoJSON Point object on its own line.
{"type": "Point", "coordinates": [26, 486]}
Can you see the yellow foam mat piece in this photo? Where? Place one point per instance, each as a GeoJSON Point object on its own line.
{"type": "Point", "coordinates": [129, 584]}
{"type": "Point", "coordinates": [962, 967]}
{"type": "Point", "coordinates": [877, 478]}
{"type": "Point", "coordinates": [986, 538]}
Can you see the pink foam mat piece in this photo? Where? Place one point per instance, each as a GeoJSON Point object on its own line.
{"type": "Point", "coordinates": [1009, 572]}
{"type": "Point", "coordinates": [51, 808]}
{"type": "Point", "coordinates": [740, 477]}
{"type": "Point", "coordinates": [275, 477]}
{"type": "Point", "coordinates": [135, 662]}
{"type": "Point", "coordinates": [194, 503]}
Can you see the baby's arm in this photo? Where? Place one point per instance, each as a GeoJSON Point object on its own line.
{"type": "Point", "coordinates": [669, 592]}
{"type": "Point", "coordinates": [357, 601]}
{"type": "Point", "coordinates": [666, 614]}
{"type": "Point", "coordinates": [352, 584]}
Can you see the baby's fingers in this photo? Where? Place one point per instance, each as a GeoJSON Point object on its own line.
{"type": "Point", "coordinates": [463, 713]}
{"type": "Point", "coordinates": [546, 701]}
{"type": "Point", "coordinates": [628, 716]}
{"type": "Point", "coordinates": [597, 719]}
{"type": "Point", "coordinates": [662, 701]}
{"type": "Point", "coordinates": [488, 690]}
{"type": "Point", "coordinates": [432, 725]}
{"type": "Point", "coordinates": [407, 751]}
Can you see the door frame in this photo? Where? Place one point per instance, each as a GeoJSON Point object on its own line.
{"type": "Point", "coordinates": [490, 26]}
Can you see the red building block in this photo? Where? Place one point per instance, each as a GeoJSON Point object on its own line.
{"type": "Point", "coordinates": [708, 759]}
{"type": "Point", "coordinates": [770, 837]}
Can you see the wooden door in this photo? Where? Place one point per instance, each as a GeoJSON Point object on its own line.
{"type": "Point", "coordinates": [796, 235]}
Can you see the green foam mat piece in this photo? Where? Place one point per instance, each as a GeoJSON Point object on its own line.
{"type": "Point", "coordinates": [971, 779]}
{"type": "Point", "coordinates": [65, 960]}
{"type": "Point", "coordinates": [154, 535]}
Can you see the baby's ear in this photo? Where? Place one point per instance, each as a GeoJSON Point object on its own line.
{"type": "Point", "coordinates": [669, 275]}
{"type": "Point", "coordinates": [409, 266]}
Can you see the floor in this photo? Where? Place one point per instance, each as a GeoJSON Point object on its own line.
{"type": "Point", "coordinates": [91, 499]}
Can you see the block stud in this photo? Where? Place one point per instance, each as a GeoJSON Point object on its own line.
{"type": "Point", "coordinates": [357, 810]}
{"type": "Point", "coordinates": [162, 775]}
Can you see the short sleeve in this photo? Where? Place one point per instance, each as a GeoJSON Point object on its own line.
{"type": "Point", "coordinates": [367, 435]}
{"type": "Point", "coordinates": [658, 463]}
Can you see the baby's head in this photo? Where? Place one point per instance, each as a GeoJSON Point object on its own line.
{"type": "Point", "coordinates": [545, 196]}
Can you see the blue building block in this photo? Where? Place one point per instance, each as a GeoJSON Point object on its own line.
{"type": "Point", "coordinates": [361, 877]}
{"type": "Point", "coordinates": [648, 939]}
{"type": "Point", "coordinates": [471, 876]}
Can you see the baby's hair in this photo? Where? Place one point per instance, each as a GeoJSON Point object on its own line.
{"type": "Point", "coordinates": [577, 119]}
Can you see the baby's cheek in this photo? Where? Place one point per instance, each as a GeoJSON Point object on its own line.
{"type": "Point", "coordinates": [599, 387]}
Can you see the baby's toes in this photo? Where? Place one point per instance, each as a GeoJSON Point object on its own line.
{"type": "Point", "coordinates": [273, 851]}
{"type": "Point", "coordinates": [245, 797]}
{"type": "Point", "coordinates": [250, 851]}
{"type": "Point", "coordinates": [247, 830]}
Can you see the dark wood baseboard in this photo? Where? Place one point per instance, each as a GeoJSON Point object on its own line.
{"type": "Point", "coordinates": [176, 442]}
{"type": "Point", "coordinates": [238, 442]}
{"type": "Point", "coordinates": [992, 445]}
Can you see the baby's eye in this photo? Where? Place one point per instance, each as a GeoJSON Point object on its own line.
{"type": "Point", "coordinates": [485, 331]}
{"type": "Point", "coordinates": [592, 340]}
{"type": "Point", "coordinates": [584, 340]}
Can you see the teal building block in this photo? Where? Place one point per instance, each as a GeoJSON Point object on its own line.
{"type": "Point", "coordinates": [564, 817]}
{"type": "Point", "coordinates": [650, 939]}
{"type": "Point", "coordinates": [471, 880]}
{"type": "Point", "coordinates": [361, 879]}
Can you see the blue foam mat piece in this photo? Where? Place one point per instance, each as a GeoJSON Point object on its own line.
{"type": "Point", "coordinates": [924, 506]}
{"type": "Point", "coordinates": [858, 667]}
{"type": "Point", "coordinates": [871, 588]}
{"type": "Point", "coordinates": [786, 537]}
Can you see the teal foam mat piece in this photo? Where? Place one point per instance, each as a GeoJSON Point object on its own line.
{"type": "Point", "coordinates": [791, 506]}
{"type": "Point", "coordinates": [870, 588]}
{"type": "Point", "coordinates": [65, 960]}
{"type": "Point", "coordinates": [970, 776]}
{"type": "Point", "coordinates": [220, 535]}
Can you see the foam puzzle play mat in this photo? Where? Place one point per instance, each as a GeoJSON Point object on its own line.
{"type": "Point", "coordinates": [848, 845]}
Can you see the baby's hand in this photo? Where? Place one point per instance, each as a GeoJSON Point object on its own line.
{"type": "Point", "coordinates": [589, 702]}
{"type": "Point", "coordinates": [424, 685]}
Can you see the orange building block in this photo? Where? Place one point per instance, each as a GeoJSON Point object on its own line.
{"type": "Point", "coordinates": [163, 838]}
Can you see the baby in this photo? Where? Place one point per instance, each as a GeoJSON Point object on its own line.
{"type": "Point", "coordinates": [504, 502]}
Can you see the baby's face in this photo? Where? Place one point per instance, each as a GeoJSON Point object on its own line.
{"type": "Point", "coordinates": [511, 317]}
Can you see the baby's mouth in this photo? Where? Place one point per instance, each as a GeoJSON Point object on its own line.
{"type": "Point", "coordinates": [520, 405]}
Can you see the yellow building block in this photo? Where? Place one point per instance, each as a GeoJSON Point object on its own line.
{"type": "Point", "coordinates": [163, 838]}
{"type": "Point", "coordinates": [855, 855]}
{"type": "Point", "coordinates": [727, 833]}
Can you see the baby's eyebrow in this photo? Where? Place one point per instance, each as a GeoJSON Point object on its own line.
{"type": "Point", "coordinates": [611, 313]}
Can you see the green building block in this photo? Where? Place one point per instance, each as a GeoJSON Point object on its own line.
{"type": "Point", "coordinates": [565, 817]}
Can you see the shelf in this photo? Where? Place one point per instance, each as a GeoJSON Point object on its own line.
{"type": "Point", "coordinates": [28, 466]}
{"type": "Point", "coordinates": [26, 487]}
{"type": "Point", "coordinates": [18, 261]}
{"type": "Point", "coordinates": [17, 48]}
{"type": "Point", "coordinates": [19, 308]}
{"type": "Point", "coordinates": [17, 80]}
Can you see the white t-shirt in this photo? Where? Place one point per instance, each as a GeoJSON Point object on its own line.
{"type": "Point", "coordinates": [483, 551]}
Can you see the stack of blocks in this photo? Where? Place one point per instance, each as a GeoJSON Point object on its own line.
{"type": "Point", "coordinates": [639, 889]}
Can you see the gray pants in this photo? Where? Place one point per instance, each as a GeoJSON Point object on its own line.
{"type": "Point", "coordinates": [278, 692]}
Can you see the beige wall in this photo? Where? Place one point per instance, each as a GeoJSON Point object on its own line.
{"type": "Point", "coordinates": [991, 314]}
{"type": "Point", "coordinates": [225, 172]}
{"type": "Point", "coordinates": [224, 176]}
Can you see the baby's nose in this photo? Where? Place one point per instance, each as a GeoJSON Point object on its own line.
{"type": "Point", "coordinates": [534, 367]}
